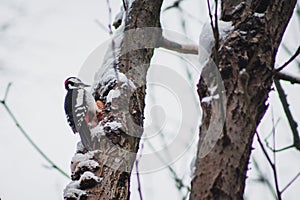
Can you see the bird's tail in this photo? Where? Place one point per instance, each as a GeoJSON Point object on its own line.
{"type": "Point", "coordinates": [85, 135]}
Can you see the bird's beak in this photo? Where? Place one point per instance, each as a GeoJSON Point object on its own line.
{"type": "Point", "coordinates": [84, 85]}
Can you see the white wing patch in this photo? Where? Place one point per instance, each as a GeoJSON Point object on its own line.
{"type": "Point", "coordinates": [79, 99]}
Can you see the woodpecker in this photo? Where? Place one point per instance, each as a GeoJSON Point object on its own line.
{"type": "Point", "coordinates": [80, 108]}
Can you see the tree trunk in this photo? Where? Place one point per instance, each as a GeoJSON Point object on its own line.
{"type": "Point", "coordinates": [246, 63]}
{"type": "Point", "coordinates": [114, 152]}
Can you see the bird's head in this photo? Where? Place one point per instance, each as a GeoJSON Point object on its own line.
{"type": "Point", "coordinates": [74, 83]}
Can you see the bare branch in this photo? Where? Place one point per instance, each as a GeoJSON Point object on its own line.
{"type": "Point", "coordinates": [216, 33]}
{"type": "Point", "coordinates": [176, 4]}
{"type": "Point", "coordinates": [172, 171]}
{"type": "Point", "coordinates": [279, 150]}
{"type": "Point", "coordinates": [274, 158]}
{"type": "Point", "coordinates": [271, 148]}
{"type": "Point", "coordinates": [291, 182]}
{"type": "Point", "coordinates": [215, 29]}
{"type": "Point", "coordinates": [101, 25]}
{"type": "Point", "coordinates": [6, 91]}
{"type": "Point", "coordinates": [137, 172]}
{"type": "Point", "coordinates": [292, 122]}
{"type": "Point", "coordinates": [53, 165]}
{"type": "Point", "coordinates": [290, 60]}
{"type": "Point", "coordinates": [287, 77]}
{"type": "Point", "coordinates": [272, 166]}
{"type": "Point", "coordinates": [113, 44]}
{"type": "Point", "coordinates": [263, 179]}
{"type": "Point", "coordinates": [180, 48]}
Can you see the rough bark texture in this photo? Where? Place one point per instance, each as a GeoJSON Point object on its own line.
{"type": "Point", "coordinates": [115, 152]}
{"type": "Point", "coordinates": [246, 63]}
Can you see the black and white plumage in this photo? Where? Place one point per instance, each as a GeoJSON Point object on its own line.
{"type": "Point", "coordinates": [80, 108]}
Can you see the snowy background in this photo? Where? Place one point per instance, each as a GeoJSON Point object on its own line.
{"type": "Point", "coordinates": [44, 42]}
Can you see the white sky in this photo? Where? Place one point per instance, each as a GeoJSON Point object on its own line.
{"type": "Point", "coordinates": [48, 41]}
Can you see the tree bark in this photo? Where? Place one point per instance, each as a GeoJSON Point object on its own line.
{"type": "Point", "coordinates": [246, 63]}
{"type": "Point", "coordinates": [113, 154]}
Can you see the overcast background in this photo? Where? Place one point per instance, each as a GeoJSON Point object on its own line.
{"type": "Point", "coordinates": [44, 42]}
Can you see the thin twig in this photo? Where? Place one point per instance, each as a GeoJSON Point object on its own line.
{"type": "Point", "coordinates": [210, 16]}
{"type": "Point", "coordinates": [270, 134]}
{"type": "Point", "coordinates": [289, 51]}
{"type": "Point", "coordinates": [216, 33]}
{"type": "Point", "coordinates": [290, 60]}
{"type": "Point", "coordinates": [173, 172]}
{"type": "Point", "coordinates": [272, 149]}
{"type": "Point", "coordinates": [288, 113]}
{"type": "Point", "coordinates": [101, 25]}
{"type": "Point", "coordinates": [263, 179]}
{"type": "Point", "coordinates": [113, 44]}
{"type": "Point", "coordinates": [137, 172]}
{"type": "Point", "coordinates": [274, 157]}
{"type": "Point", "coordinates": [282, 149]}
{"type": "Point", "coordinates": [3, 102]}
{"type": "Point", "coordinates": [271, 164]}
{"type": "Point", "coordinates": [182, 20]}
{"type": "Point", "coordinates": [176, 4]}
{"type": "Point", "coordinates": [291, 182]}
{"type": "Point", "coordinates": [6, 91]}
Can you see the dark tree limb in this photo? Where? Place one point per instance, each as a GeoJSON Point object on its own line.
{"type": "Point", "coordinates": [287, 77]}
{"type": "Point", "coordinates": [288, 113]}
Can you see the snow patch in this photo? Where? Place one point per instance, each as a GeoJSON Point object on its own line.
{"type": "Point", "coordinates": [89, 164]}
{"type": "Point", "coordinates": [97, 131]}
{"type": "Point", "coordinates": [243, 32]}
{"type": "Point", "coordinates": [107, 71]}
{"type": "Point", "coordinates": [260, 15]}
{"type": "Point", "coordinates": [72, 192]}
{"type": "Point", "coordinates": [242, 71]}
{"type": "Point", "coordinates": [224, 28]}
{"type": "Point", "coordinates": [80, 147]}
{"type": "Point", "coordinates": [210, 98]}
{"type": "Point", "coordinates": [193, 166]}
{"type": "Point", "coordinates": [79, 157]}
{"type": "Point", "coordinates": [90, 175]}
{"type": "Point", "coordinates": [239, 7]}
{"type": "Point", "coordinates": [113, 125]}
{"type": "Point", "coordinates": [212, 89]}
{"type": "Point", "coordinates": [207, 40]}
{"type": "Point", "coordinates": [119, 17]}
{"type": "Point", "coordinates": [113, 94]}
